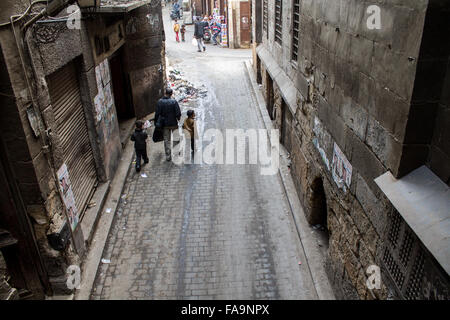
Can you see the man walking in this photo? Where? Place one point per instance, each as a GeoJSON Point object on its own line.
{"type": "Point", "coordinates": [168, 114]}
{"type": "Point", "coordinates": [198, 33]}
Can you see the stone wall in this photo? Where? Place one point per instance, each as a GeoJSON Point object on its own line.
{"type": "Point", "coordinates": [31, 162]}
{"type": "Point", "coordinates": [144, 33]}
{"type": "Point", "coordinates": [354, 93]}
{"type": "Point", "coordinates": [439, 153]}
{"type": "Point", "coordinates": [47, 47]}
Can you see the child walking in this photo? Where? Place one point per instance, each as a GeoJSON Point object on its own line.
{"type": "Point", "coordinates": [189, 126]}
{"type": "Point", "coordinates": [176, 28]}
{"type": "Point", "coordinates": [140, 145]}
{"type": "Point", "coordinates": [183, 31]}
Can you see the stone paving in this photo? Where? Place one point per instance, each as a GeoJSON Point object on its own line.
{"type": "Point", "coordinates": [205, 231]}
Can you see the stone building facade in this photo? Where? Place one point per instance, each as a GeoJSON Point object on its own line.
{"type": "Point", "coordinates": [67, 87]}
{"type": "Point", "coordinates": [363, 111]}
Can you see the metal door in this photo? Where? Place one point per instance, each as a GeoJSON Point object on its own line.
{"type": "Point", "coordinates": [73, 133]}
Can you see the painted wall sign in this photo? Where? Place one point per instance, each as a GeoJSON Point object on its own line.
{"type": "Point", "coordinates": [67, 194]}
{"type": "Point", "coordinates": [341, 169]}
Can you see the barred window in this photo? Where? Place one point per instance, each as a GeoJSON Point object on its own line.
{"type": "Point", "coordinates": [296, 29]}
{"type": "Point", "coordinates": [278, 21]}
{"type": "Point", "coordinates": [265, 17]}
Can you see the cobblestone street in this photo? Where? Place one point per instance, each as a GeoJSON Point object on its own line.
{"type": "Point", "coordinates": [205, 231]}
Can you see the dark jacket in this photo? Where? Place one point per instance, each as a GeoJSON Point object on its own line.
{"type": "Point", "coordinates": [200, 29]}
{"type": "Point", "coordinates": [170, 110]}
{"type": "Point", "coordinates": [139, 136]}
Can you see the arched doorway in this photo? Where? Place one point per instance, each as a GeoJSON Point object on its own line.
{"type": "Point", "coordinates": [319, 213]}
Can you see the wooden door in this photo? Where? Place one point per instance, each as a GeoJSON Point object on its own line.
{"type": "Point", "coordinates": [245, 23]}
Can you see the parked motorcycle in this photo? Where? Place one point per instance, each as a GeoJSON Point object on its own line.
{"type": "Point", "coordinates": [207, 34]}
{"type": "Point", "coordinates": [176, 11]}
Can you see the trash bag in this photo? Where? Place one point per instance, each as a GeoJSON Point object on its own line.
{"type": "Point", "coordinates": [158, 135]}
{"type": "Point", "coordinates": [194, 42]}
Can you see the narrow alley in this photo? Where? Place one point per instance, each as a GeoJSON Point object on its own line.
{"type": "Point", "coordinates": [320, 163]}
{"type": "Point", "coordinates": [205, 231]}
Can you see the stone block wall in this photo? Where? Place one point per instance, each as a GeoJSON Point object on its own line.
{"type": "Point", "coordinates": [31, 162]}
{"type": "Point", "coordinates": [357, 99]}
{"type": "Point", "coordinates": [355, 88]}
{"type": "Point", "coordinates": [144, 34]}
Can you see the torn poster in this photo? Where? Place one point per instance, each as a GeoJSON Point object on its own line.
{"type": "Point", "coordinates": [341, 169]}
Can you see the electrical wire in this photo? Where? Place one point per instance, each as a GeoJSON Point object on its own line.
{"type": "Point", "coordinates": [25, 13]}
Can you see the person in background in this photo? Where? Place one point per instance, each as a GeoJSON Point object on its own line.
{"type": "Point", "coordinates": [176, 28]}
{"type": "Point", "coordinates": [183, 31]}
{"type": "Point", "coordinates": [216, 29]}
{"type": "Point", "coordinates": [140, 145]}
{"type": "Point", "coordinates": [198, 33]}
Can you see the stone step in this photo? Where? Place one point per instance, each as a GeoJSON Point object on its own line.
{"type": "Point", "coordinates": [91, 216]}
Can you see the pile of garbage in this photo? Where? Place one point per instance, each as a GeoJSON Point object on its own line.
{"type": "Point", "coordinates": [183, 90]}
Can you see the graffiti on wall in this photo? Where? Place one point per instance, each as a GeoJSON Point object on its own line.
{"type": "Point", "coordinates": [67, 195]}
{"type": "Point", "coordinates": [104, 100]}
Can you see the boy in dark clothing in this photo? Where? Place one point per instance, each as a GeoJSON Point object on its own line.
{"type": "Point", "coordinates": [139, 137]}
{"type": "Point", "coordinates": [183, 31]}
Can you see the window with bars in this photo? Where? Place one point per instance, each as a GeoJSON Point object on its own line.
{"type": "Point", "coordinates": [265, 18]}
{"type": "Point", "coordinates": [278, 21]}
{"type": "Point", "coordinates": [296, 29]}
{"type": "Point", "coordinates": [409, 265]}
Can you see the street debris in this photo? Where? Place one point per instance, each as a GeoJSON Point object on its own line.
{"type": "Point", "coordinates": [144, 175]}
{"type": "Point", "coordinates": [183, 90]}
{"type": "Point", "coordinates": [108, 210]}
{"type": "Point", "coordinates": [106, 261]}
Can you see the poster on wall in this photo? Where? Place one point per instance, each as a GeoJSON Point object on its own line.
{"type": "Point", "coordinates": [104, 100]}
{"type": "Point", "coordinates": [224, 34]}
{"type": "Point", "coordinates": [67, 194]}
{"type": "Point", "coordinates": [341, 169]}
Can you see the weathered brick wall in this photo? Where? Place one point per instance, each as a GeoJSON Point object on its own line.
{"type": "Point", "coordinates": [30, 162]}
{"type": "Point", "coordinates": [358, 98]}
{"type": "Point", "coordinates": [144, 63]}
{"type": "Point", "coordinates": [281, 53]}
{"type": "Point", "coordinates": [439, 159]}
{"type": "Point", "coordinates": [355, 89]}
{"type": "Point", "coordinates": [436, 59]}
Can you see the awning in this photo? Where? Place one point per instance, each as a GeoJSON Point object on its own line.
{"type": "Point", "coordinates": [423, 200]}
{"type": "Point", "coordinates": [286, 86]}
